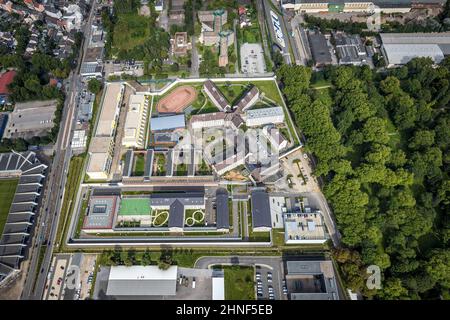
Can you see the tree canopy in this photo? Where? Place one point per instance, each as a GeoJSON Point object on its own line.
{"type": "Point", "coordinates": [381, 142]}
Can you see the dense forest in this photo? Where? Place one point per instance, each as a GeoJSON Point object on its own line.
{"type": "Point", "coordinates": [382, 146]}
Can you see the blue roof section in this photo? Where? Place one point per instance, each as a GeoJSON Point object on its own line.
{"type": "Point", "coordinates": [167, 123]}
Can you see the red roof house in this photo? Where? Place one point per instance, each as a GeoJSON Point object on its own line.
{"type": "Point", "coordinates": [242, 10]}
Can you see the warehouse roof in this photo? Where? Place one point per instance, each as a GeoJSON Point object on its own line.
{"type": "Point", "coordinates": [403, 53]}
{"type": "Point", "coordinates": [380, 3]}
{"type": "Point", "coordinates": [264, 112]}
{"type": "Point", "coordinates": [319, 48]}
{"type": "Point", "coordinates": [416, 38]}
{"type": "Point", "coordinates": [142, 281]}
{"type": "Point", "coordinates": [400, 48]}
{"type": "Point", "coordinates": [167, 123]}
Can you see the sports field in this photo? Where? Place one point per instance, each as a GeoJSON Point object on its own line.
{"type": "Point", "coordinates": [135, 207]}
{"type": "Point", "coordinates": [7, 191]}
{"type": "Point", "coordinates": [177, 100]}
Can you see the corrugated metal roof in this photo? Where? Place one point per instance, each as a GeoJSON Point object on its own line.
{"type": "Point", "coordinates": [167, 123]}
{"type": "Point", "coordinates": [142, 281]}
{"type": "Point", "coordinates": [403, 53]}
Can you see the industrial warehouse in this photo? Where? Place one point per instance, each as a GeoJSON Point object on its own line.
{"type": "Point", "coordinates": [400, 48]}
{"type": "Point", "coordinates": [337, 6]}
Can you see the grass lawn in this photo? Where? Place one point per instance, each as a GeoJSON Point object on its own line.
{"type": "Point", "coordinates": [7, 191]}
{"type": "Point", "coordinates": [278, 237]}
{"type": "Point", "coordinates": [239, 283]}
{"type": "Point", "coordinates": [233, 91]}
{"type": "Point", "coordinates": [160, 161]}
{"type": "Point", "coordinates": [204, 169]}
{"type": "Point", "coordinates": [321, 84]}
{"type": "Point", "coordinates": [130, 31]}
{"type": "Point", "coordinates": [160, 218]}
{"type": "Point", "coordinates": [139, 165]}
{"type": "Point", "coordinates": [181, 169]}
{"type": "Point", "coordinates": [195, 214]}
{"type": "Point", "coordinates": [270, 90]}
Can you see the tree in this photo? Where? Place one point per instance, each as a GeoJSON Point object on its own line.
{"type": "Point", "coordinates": [374, 130]}
{"type": "Point", "coordinates": [146, 258]}
{"type": "Point", "coordinates": [393, 290]}
{"type": "Point", "coordinates": [94, 86]}
{"type": "Point", "coordinates": [422, 139]}
{"type": "Point", "coordinates": [163, 265]}
{"type": "Point", "coordinates": [438, 267]}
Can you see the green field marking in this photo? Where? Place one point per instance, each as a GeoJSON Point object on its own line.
{"type": "Point", "coordinates": [7, 191]}
{"type": "Point", "coordinates": [135, 207]}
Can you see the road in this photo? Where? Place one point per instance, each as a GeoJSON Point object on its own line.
{"type": "Point", "coordinates": [52, 201]}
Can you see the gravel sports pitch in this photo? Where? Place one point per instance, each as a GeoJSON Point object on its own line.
{"type": "Point", "coordinates": [178, 100]}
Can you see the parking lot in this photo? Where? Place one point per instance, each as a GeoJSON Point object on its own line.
{"type": "Point", "coordinates": [268, 286]}
{"type": "Point", "coordinates": [62, 283]}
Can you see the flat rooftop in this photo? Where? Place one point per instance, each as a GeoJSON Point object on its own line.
{"type": "Point", "coordinates": [101, 212]}
{"type": "Point", "coordinates": [110, 109]}
{"type": "Point", "coordinates": [304, 226]}
{"type": "Point", "coordinates": [264, 112]}
{"type": "Point", "coordinates": [311, 280]}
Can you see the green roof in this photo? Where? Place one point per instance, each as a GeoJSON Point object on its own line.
{"type": "Point", "coordinates": [135, 207]}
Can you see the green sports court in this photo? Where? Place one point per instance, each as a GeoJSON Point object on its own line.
{"type": "Point", "coordinates": [135, 207]}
